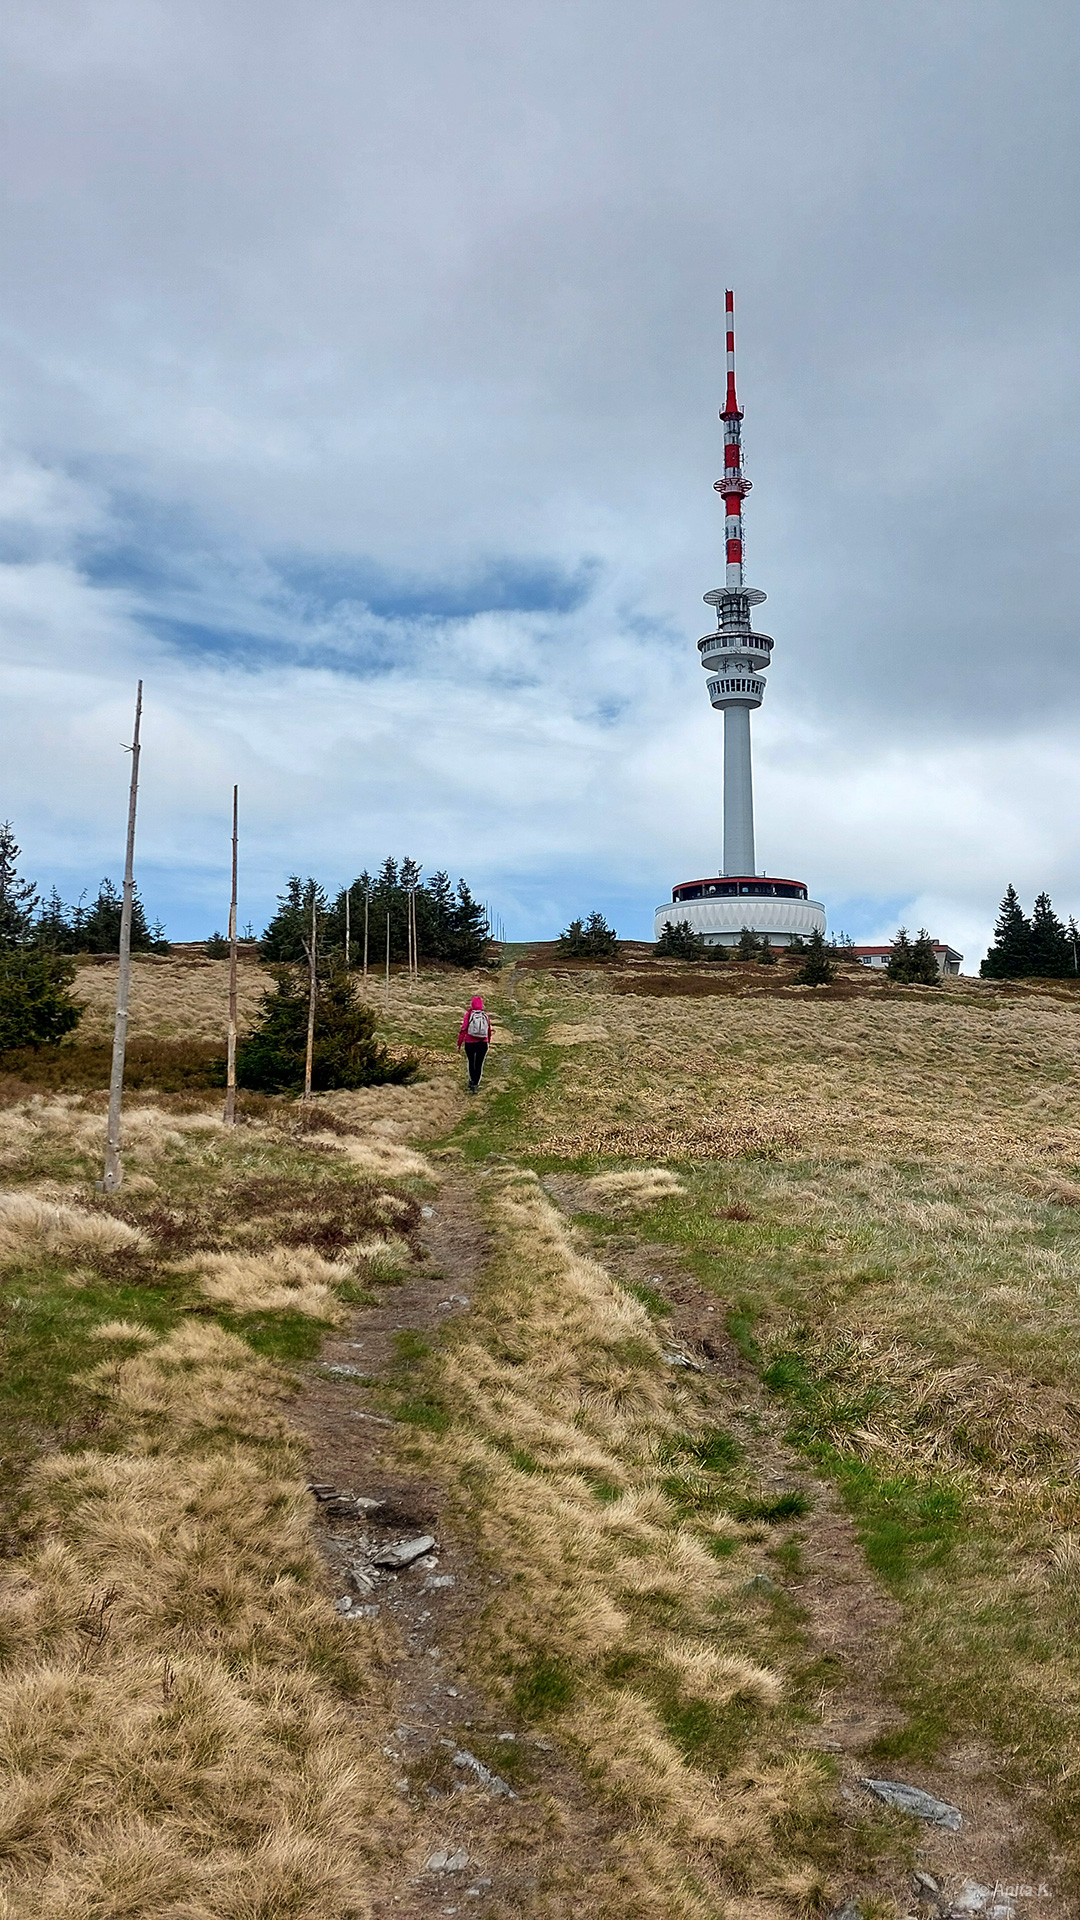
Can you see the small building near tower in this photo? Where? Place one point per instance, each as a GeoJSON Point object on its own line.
{"type": "Point", "coordinates": [736, 659]}
{"type": "Point", "coordinates": [948, 960]}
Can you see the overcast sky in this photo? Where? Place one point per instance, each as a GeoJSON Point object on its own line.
{"type": "Point", "coordinates": [361, 366]}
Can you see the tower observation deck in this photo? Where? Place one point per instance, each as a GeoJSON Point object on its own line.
{"type": "Point", "coordinates": [735, 659]}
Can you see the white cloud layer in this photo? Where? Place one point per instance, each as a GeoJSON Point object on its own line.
{"type": "Point", "coordinates": [361, 369]}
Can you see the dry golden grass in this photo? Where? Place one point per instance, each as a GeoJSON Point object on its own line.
{"type": "Point", "coordinates": [560, 1388]}
{"type": "Point", "coordinates": [184, 999]}
{"type": "Point", "coordinates": [178, 1724]}
{"type": "Point", "coordinates": [283, 1280]}
{"type": "Point", "coordinates": [41, 1134]}
{"type": "Point", "coordinates": [636, 1188]}
{"type": "Point", "coordinates": [988, 1079]}
{"type": "Point", "coordinates": [169, 1744]}
{"type": "Point", "coordinates": [31, 1226]}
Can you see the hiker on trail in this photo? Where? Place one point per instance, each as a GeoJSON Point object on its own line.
{"type": "Point", "coordinates": [475, 1037]}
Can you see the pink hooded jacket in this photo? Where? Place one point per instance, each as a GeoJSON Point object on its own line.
{"type": "Point", "coordinates": [464, 1035]}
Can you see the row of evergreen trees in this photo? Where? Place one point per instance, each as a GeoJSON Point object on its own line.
{"type": "Point", "coordinates": [26, 920]}
{"type": "Point", "coordinates": [1040, 946]}
{"type": "Point", "coordinates": [450, 924]}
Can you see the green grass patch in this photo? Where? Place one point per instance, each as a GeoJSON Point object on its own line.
{"type": "Point", "coordinates": [409, 1347]}
{"type": "Point", "coordinates": [650, 1297]}
{"type": "Point", "coordinates": [605, 1490]}
{"type": "Point", "coordinates": [544, 1687]}
{"type": "Point", "coordinates": [48, 1338]}
{"type": "Point", "coordinates": [426, 1411]}
{"type": "Point", "coordinates": [781, 1506]}
{"type": "Point", "coordinates": [907, 1522]}
{"type": "Point", "coordinates": [286, 1336]}
{"type": "Point", "coordinates": [709, 1736]}
{"type": "Point", "coordinates": [716, 1451]}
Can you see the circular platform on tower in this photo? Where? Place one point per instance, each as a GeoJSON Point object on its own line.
{"type": "Point", "coordinates": [719, 909]}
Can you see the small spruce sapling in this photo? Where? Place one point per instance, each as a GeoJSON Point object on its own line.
{"type": "Point", "coordinates": [817, 969]}
{"type": "Point", "coordinates": [679, 941]}
{"type": "Point", "coordinates": [899, 967]}
{"type": "Point", "coordinates": [591, 940]}
{"type": "Point", "coordinates": [345, 1052]}
{"type": "Point", "coordinates": [36, 1008]}
{"type": "Point", "coordinates": [924, 965]}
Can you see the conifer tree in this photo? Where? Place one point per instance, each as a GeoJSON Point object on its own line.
{"type": "Point", "coordinates": [924, 965]}
{"type": "Point", "coordinates": [271, 1058]}
{"type": "Point", "coordinates": [592, 939]}
{"type": "Point", "coordinates": [766, 952]}
{"type": "Point", "coordinates": [36, 1007]}
{"type": "Point", "coordinates": [678, 941]}
{"type": "Point", "coordinates": [290, 926]}
{"type": "Point", "coordinates": [18, 897]}
{"type": "Point", "coordinates": [52, 929]}
{"type": "Point", "coordinates": [1010, 956]}
{"type": "Point", "coordinates": [1051, 953]}
{"type": "Point", "coordinates": [747, 948]}
{"type": "Point", "coordinates": [817, 969]}
{"type": "Point", "coordinates": [899, 967]}
{"type": "Point", "coordinates": [96, 929]}
{"type": "Point", "coordinates": [451, 925]}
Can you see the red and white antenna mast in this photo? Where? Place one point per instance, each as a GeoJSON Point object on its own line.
{"type": "Point", "coordinates": [734, 484]}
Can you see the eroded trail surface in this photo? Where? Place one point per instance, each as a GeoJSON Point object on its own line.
{"type": "Point", "coordinates": [504, 1825]}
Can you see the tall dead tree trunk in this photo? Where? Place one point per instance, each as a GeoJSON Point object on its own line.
{"type": "Point", "coordinates": [388, 963]}
{"type": "Point", "coordinates": [230, 1065]}
{"type": "Point", "coordinates": [348, 930]}
{"type": "Point", "coordinates": [367, 903]}
{"type": "Point", "coordinates": [309, 1057]}
{"type": "Point", "coordinates": [114, 1172]}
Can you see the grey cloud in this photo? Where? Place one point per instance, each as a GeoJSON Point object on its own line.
{"type": "Point", "coordinates": [437, 289]}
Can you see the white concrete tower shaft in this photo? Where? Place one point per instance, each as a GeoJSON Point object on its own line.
{"type": "Point", "coordinates": [734, 656]}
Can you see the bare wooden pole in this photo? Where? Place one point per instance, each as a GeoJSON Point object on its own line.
{"type": "Point", "coordinates": [388, 963]}
{"type": "Point", "coordinates": [309, 1057]}
{"type": "Point", "coordinates": [114, 1172]}
{"type": "Point", "coordinates": [230, 1064]}
{"type": "Point", "coordinates": [415, 939]}
{"type": "Point", "coordinates": [348, 931]}
{"type": "Point", "coordinates": [367, 903]}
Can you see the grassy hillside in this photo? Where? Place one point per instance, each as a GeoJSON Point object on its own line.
{"type": "Point", "coordinates": [754, 1426]}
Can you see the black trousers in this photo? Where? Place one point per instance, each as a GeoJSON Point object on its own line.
{"type": "Point", "coordinates": [474, 1053]}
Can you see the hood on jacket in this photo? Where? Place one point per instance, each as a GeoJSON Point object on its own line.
{"type": "Point", "coordinates": [476, 1001]}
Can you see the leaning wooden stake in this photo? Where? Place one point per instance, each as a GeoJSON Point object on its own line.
{"type": "Point", "coordinates": [114, 1171]}
{"type": "Point", "coordinates": [309, 1057]}
{"type": "Point", "coordinates": [230, 1064]}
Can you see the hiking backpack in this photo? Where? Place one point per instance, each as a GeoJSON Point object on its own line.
{"type": "Point", "coordinates": [477, 1027]}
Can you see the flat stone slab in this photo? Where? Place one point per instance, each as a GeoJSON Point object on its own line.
{"type": "Point", "coordinates": [897, 1793]}
{"type": "Point", "coordinates": [402, 1553]}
